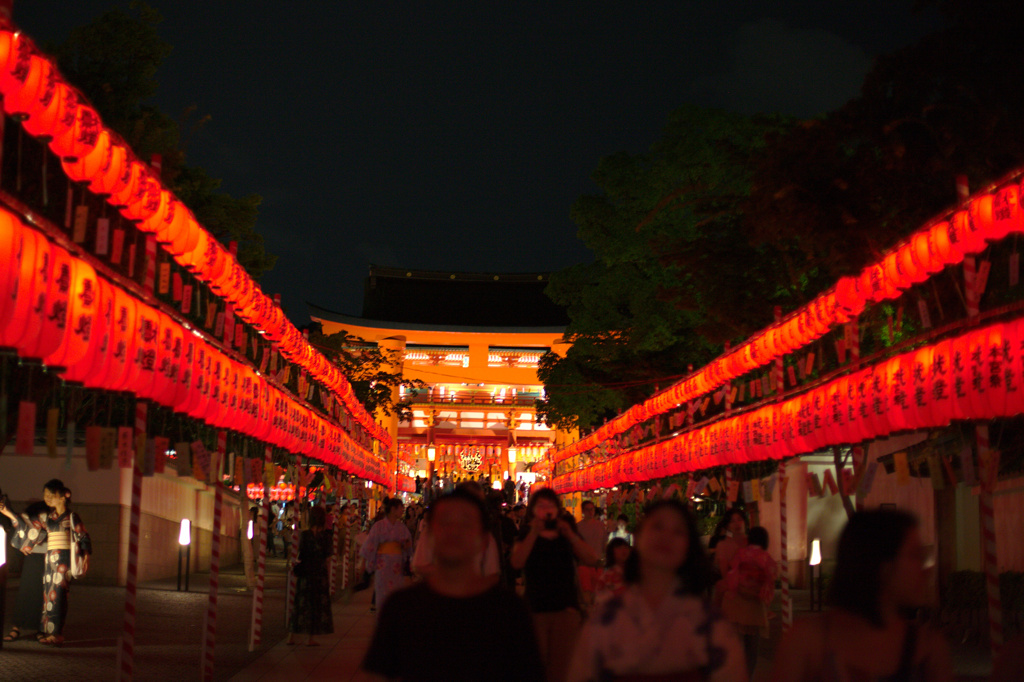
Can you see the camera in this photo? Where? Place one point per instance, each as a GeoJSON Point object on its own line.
{"type": "Point", "coordinates": [550, 524]}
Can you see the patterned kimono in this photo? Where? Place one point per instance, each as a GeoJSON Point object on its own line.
{"type": "Point", "coordinates": [385, 552]}
{"type": "Point", "coordinates": [55, 530]}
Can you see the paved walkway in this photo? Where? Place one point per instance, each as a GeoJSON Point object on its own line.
{"type": "Point", "coordinates": [336, 658]}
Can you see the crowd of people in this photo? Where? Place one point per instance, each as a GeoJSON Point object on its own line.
{"type": "Point", "coordinates": [645, 603]}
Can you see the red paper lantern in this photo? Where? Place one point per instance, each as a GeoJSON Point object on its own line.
{"type": "Point", "coordinates": [941, 388]}
{"type": "Point", "coordinates": [967, 236]}
{"type": "Point", "coordinates": [81, 308]}
{"type": "Point", "coordinates": [924, 252]}
{"type": "Point", "coordinates": [51, 307]}
{"type": "Point", "coordinates": [89, 166]}
{"type": "Point", "coordinates": [142, 374]}
{"type": "Point", "coordinates": [186, 372]}
{"type": "Point", "coordinates": [46, 112]}
{"type": "Point", "coordinates": [81, 137]}
{"type": "Point", "coordinates": [945, 245]}
{"type": "Point", "coordinates": [1005, 213]}
{"type": "Point", "coordinates": [101, 331]}
{"type": "Point", "coordinates": [27, 82]}
{"type": "Point", "coordinates": [116, 373]}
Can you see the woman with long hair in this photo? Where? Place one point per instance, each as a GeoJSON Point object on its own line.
{"type": "Point", "coordinates": [661, 627]}
{"type": "Point", "coordinates": [311, 611]}
{"type": "Point", "coordinates": [386, 549]}
{"type": "Point", "coordinates": [54, 528]}
{"type": "Point", "coordinates": [546, 552]}
{"type": "Point", "coordinates": [29, 604]}
{"type": "Point", "coordinates": [747, 590]}
{"type": "Point", "coordinates": [867, 632]}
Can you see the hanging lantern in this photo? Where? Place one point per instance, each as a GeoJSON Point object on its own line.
{"type": "Point", "coordinates": [28, 80]}
{"type": "Point", "coordinates": [86, 168]}
{"type": "Point", "coordinates": [168, 360]}
{"type": "Point", "coordinates": [51, 307]}
{"type": "Point", "coordinates": [849, 297]}
{"type": "Point", "coordinates": [945, 244]}
{"type": "Point", "coordinates": [81, 137]}
{"type": "Point", "coordinates": [134, 174]}
{"type": "Point", "coordinates": [148, 199]}
{"type": "Point", "coordinates": [113, 367]}
{"type": "Point", "coordinates": [969, 235]}
{"type": "Point", "coordinates": [186, 372]}
{"type": "Point", "coordinates": [29, 291]}
{"type": "Point", "coordinates": [924, 251]}
{"type": "Point", "coordinates": [81, 313]}
{"type": "Point", "coordinates": [10, 254]}
{"type": "Point", "coordinates": [45, 112]}
{"type": "Point", "coordinates": [142, 372]}
{"type": "Point", "coordinates": [1005, 213]}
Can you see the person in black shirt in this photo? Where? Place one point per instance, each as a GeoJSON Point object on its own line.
{"type": "Point", "coordinates": [546, 551]}
{"type": "Point", "coordinates": [467, 628]}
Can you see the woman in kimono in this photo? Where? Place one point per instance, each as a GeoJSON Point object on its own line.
{"type": "Point", "coordinates": [53, 528]}
{"type": "Point", "coordinates": [386, 550]}
{"type": "Point", "coordinates": [311, 609]}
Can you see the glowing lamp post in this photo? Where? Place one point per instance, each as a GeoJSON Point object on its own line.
{"type": "Point", "coordinates": [815, 561]}
{"type": "Point", "coordinates": [248, 531]}
{"type": "Point", "coordinates": [185, 543]}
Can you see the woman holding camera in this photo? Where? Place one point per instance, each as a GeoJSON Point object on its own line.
{"type": "Point", "coordinates": [547, 551]}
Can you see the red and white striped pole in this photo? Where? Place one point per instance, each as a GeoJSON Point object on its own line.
{"type": "Point", "coordinates": [126, 650]}
{"type": "Point", "coordinates": [256, 626]}
{"type": "Point", "coordinates": [346, 548]}
{"type": "Point", "coordinates": [210, 631]}
{"type": "Point", "coordinates": [988, 537]}
{"type": "Point", "coordinates": [787, 600]}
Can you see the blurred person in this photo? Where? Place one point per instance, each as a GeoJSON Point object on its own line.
{"type": "Point", "coordinates": [867, 634]}
{"type": "Point", "coordinates": [735, 524]}
{"type": "Point", "coordinates": [747, 590]}
{"type": "Point", "coordinates": [660, 627]}
{"type": "Point", "coordinates": [612, 580]}
{"type": "Point", "coordinates": [546, 552]}
{"type": "Point", "coordinates": [466, 627]}
{"type": "Point", "coordinates": [622, 529]}
{"type": "Point", "coordinates": [54, 527]}
{"type": "Point", "coordinates": [311, 611]}
{"type": "Point", "coordinates": [29, 603]}
{"type": "Point", "coordinates": [387, 547]}
{"type": "Point", "coordinates": [488, 563]}
{"type": "Point", "coordinates": [594, 533]}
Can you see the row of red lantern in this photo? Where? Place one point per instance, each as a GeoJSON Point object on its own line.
{"type": "Point", "coordinates": [976, 376]}
{"type": "Point", "coordinates": [55, 309]}
{"type": "Point", "coordinates": [988, 217]}
{"type": "Point", "coordinates": [49, 108]}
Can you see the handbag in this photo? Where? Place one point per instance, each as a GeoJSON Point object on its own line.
{"type": "Point", "coordinates": [79, 560]}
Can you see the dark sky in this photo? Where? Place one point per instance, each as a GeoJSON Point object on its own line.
{"type": "Point", "coordinates": [455, 135]}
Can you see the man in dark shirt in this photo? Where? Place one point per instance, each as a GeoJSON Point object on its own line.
{"type": "Point", "coordinates": [456, 625]}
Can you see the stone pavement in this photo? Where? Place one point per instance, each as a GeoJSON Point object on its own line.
{"type": "Point", "coordinates": [170, 627]}
{"type": "Point", "coordinates": [168, 634]}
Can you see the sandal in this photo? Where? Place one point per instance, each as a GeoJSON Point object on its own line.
{"type": "Point", "coordinates": [14, 634]}
{"type": "Point", "coordinates": [52, 640]}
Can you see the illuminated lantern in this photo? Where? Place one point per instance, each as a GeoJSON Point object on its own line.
{"type": "Point", "coordinates": [148, 199]}
{"type": "Point", "coordinates": [142, 374]}
{"type": "Point", "coordinates": [115, 373]}
{"type": "Point", "coordinates": [90, 165]}
{"type": "Point", "coordinates": [195, 257]}
{"type": "Point", "coordinates": [199, 396]}
{"type": "Point", "coordinates": [1005, 213]}
{"type": "Point", "coordinates": [876, 284]}
{"type": "Point", "coordinates": [945, 244]}
{"type": "Point", "coordinates": [849, 297]}
{"type": "Point", "coordinates": [896, 279]}
{"type": "Point", "coordinates": [966, 235]}
{"type": "Point", "coordinates": [100, 334]}
{"type": "Point", "coordinates": [29, 80]}
{"type": "Point", "coordinates": [10, 254]}
{"type": "Point", "coordinates": [997, 368]}
{"type": "Point", "coordinates": [899, 389]}
{"type": "Point", "coordinates": [980, 212]}
{"type": "Point", "coordinates": [81, 314]}
{"type": "Point", "coordinates": [913, 271]}
{"type": "Point", "coordinates": [51, 307]}
{"type": "Point", "coordinates": [44, 114]}
{"type": "Point", "coordinates": [134, 175]}
{"type": "Point", "coordinates": [81, 137]}
{"type": "Point", "coordinates": [925, 254]}
{"type": "Point", "coordinates": [169, 359]}
{"type": "Point", "coordinates": [920, 398]}
{"type": "Point", "coordinates": [186, 372]}
{"type": "Point", "coordinates": [31, 274]}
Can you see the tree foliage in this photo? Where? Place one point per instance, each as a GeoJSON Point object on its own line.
{"type": "Point", "coordinates": [114, 61]}
{"type": "Point", "coordinates": [725, 217]}
{"type": "Point", "coordinates": [368, 369]}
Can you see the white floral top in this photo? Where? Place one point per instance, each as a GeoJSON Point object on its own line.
{"type": "Point", "coordinates": [627, 636]}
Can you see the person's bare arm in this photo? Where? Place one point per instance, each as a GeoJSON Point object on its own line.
{"type": "Point", "coordinates": [584, 552]}
{"type": "Point", "coordinates": [522, 548]}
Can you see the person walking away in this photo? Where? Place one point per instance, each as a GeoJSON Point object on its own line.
{"type": "Point", "coordinates": [596, 535]}
{"type": "Point", "coordinates": [735, 523]}
{"type": "Point", "coordinates": [466, 627]}
{"type": "Point", "coordinates": [55, 529]}
{"type": "Point", "coordinates": [29, 603]}
{"type": "Point", "coordinates": [489, 561]}
{"type": "Point", "coordinates": [386, 549]}
{"type": "Point", "coordinates": [546, 552]}
{"type": "Point", "coordinates": [661, 627]}
{"type": "Point", "coordinates": [612, 582]}
{"type": "Point", "coordinates": [748, 589]}
{"type": "Point", "coordinates": [311, 612]}
{"type": "Point", "coordinates": [865, 634]}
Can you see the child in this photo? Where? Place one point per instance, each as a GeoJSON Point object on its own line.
{"type": "Point", "coordinates": [611, 583]}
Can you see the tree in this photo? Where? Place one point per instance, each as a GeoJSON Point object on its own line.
{"type": "Point", "coordinates": [366, 366]}
{"type": "Point", "coordinates": [654, 301]}
{"type": "Point", "coordinates": [114, 61]}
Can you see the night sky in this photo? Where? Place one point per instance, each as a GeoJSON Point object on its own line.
{"type": "Point", "coordinates": [456, 136]}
